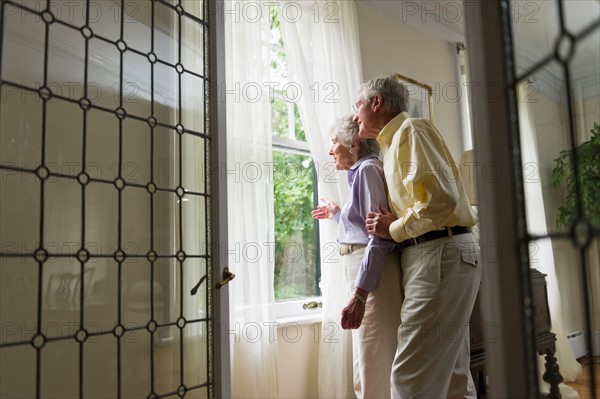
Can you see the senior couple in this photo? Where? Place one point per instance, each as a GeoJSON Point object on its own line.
{"type": "Point", "coordinates": [409, 258]}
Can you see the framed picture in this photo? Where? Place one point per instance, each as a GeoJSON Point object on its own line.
{"type": "Point", "coordinates": [420, 101]}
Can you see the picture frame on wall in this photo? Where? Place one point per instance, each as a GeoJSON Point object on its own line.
{"type": "Point", "coordinates": [420, 100]}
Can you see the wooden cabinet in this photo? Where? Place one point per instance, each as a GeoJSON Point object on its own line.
{"type": "Point", "coordinates": [545, 340]}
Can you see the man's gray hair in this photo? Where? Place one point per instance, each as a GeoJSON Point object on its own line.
{"type": "Point", "coordinates": [346, 131]}
{"type": "Point", "coordinates": [393, 93]}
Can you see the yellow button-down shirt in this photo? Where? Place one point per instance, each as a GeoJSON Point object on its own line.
{"type": "Point", "coordinates": [425, 188]}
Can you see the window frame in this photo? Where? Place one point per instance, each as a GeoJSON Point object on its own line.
{"type": "Point", "coordinates": [293, 310]}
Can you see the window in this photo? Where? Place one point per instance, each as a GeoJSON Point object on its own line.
{"type": "Point", "coordinates": [465, 87]}
{"type": "Point", "coordinates": [297, 269]}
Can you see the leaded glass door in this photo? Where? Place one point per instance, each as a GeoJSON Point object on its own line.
{"type": "Point", "coordinates": [105, 199]}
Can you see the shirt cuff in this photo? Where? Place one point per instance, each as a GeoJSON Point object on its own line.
{"type": "Point", "coordinates": [397, 231]}
{"type": "Point", "coordinates": [364, 282]}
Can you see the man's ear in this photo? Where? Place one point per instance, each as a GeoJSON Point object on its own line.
{"type": "Point", "coordinates": [377, 102]}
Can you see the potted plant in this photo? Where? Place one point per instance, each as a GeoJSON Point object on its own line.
{"type": "Point", "coordinates": [588, 159]}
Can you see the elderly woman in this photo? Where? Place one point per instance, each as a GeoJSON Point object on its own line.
{"type": "Point", "coordinates": [371, 263]}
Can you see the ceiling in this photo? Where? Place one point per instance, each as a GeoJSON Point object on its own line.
{"type": "Point", "coordinates": [536, 32]}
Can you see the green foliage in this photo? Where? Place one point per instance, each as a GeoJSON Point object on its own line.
{"type": "Point", "coordinates": [279, 119]}
{"type": "Point", "coordinates": [298, 129]}
{"type": "Point", "coordinates": [293, 181]}
{"type": "Point", "coordinates": [295, 230]}
{"type": "Point", "coordinates": [588, 167]}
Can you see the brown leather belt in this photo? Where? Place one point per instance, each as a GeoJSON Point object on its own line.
{"type": "Point", "coordinates": [434, 235]}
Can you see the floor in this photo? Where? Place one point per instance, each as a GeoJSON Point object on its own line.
{"type": "Point", "coordinates": [582, 384]}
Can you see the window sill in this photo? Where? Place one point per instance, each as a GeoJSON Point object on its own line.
{"type": "Point", "coordinates": [300, 320]}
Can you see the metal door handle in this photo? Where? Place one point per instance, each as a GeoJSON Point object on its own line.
{"type": "Point", "coordinates": [312, 305]}
{"type": "Point", "coordinates": [227, 277]}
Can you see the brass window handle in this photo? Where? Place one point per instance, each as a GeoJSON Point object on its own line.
{"type": "Point", "coordinates": [312, 305]}
{"type": "Point", "coordinates": [227, 277]}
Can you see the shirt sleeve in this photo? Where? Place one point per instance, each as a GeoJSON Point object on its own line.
{"type": "Point", "coordinates": [372, 196]}
{"type": "Point", "coordinates": [431, 189]}
{"type": "Point", "coordinates": [373, 260]}
{"type": "Point", "coordinates": [336, 217]}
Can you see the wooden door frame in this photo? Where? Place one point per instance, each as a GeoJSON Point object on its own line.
{"type": "Point", "coordinates": [506, 286]}
{"type": "Point", "coordinates": [220, 305]}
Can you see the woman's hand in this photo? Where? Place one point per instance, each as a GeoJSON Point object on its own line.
{"type": "Point", "coordinates": [353, 313]}
{"type": "Point", "coordinates": [325, 210]}
{"type": "Point", "coordinates": [378, 224]}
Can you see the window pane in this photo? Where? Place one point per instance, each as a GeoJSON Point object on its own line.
{"type": "Point", "coordinates": [300, 135]}
{"type": "Point", "coordinates": [279, 118]}
{"type": "Point", "coordinates": [296, 234]}
{"type": "Point", "coordinates": [278, 58]}
{"type": "Point", "coordinates": [278, 69]}
{"type": "Point", "coordinates": [282, 117]}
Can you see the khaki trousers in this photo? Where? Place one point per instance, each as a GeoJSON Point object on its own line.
{"type": "Point", "coordinates": [375, 342]}
{"type": "Point", "coordinates": [441, 278]}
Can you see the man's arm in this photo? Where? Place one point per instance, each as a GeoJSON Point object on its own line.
{"type": "Point", "coordinates": [430, 185]}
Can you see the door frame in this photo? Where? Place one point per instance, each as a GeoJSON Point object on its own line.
{"type": "Point", "coordinates": [219, 233]}
{"type": "Point", "coordinates": [506, 285]}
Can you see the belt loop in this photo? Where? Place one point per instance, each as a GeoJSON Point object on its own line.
{"type": "Point", "coordinates": [449, 230]}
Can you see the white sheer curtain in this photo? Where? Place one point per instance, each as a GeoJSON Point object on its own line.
{"type": "Point", "coordinates": [250, 207]}
{"type": "Point", "coordinates": [544, 257]}
{"type": "Point", "coordinates": [321, 42]}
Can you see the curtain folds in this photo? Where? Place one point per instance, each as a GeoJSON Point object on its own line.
{"type": "Point", "coordinates": [250, 208]}
{"type": "Point", "coordinates": [543, 259]}
{"type": "Point", "coordinates": [322, 46]}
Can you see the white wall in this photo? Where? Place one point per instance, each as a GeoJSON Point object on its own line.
{"type": "Point", "coordinates": [298, 360]}
{"type": "Point", "coordinates": [389, 46]}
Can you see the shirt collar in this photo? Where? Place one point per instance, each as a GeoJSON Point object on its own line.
{"type": "Point", "coordinates": [354, 168]}
{"type": "Point", "coordinates": [387, 133]}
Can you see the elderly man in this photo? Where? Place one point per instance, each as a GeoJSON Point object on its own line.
{"type": "Point", "coordinates": [430, 219]}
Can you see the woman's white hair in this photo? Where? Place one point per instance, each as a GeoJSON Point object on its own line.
{"type": "Point", "coordinates": [393, 93]}
{"type": "Point", "coordinates": [346, 130]}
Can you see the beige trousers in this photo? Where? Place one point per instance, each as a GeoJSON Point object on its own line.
{"type": "Point", "coordinates": [440, 278]}
{"type": "Point", "coordinates": [374, 343]}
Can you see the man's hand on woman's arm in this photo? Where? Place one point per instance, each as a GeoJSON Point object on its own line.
{"type": "Point", "coordinates": [378, 224]}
